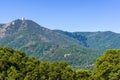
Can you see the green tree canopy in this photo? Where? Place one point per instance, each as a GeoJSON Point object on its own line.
{"type": "Point", "coordinates": [15, 65]}
{"type": "Point", "coordinates": [108, 66]}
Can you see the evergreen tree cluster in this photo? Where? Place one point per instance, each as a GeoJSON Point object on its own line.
{"type": "Point", "coordinates": [15, 65]}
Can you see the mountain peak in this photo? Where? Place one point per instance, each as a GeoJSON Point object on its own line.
{"type": "Point", "coordinates": [14, 26]}
{"type": "Point", "coordinates": [23, 18]}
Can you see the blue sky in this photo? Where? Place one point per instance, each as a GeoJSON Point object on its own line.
{"type": "Point", "coordinates": [67, 15]}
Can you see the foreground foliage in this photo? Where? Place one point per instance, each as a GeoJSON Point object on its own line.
{"type": "Point", "coordinates": [15, 65]}
{"type": "Point", "coordinates": [108, 66]}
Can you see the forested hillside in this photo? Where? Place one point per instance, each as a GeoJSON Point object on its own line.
{"type": "Point", "coordinates": [45, 44]}
{"type": "Point", "coordinates": [76, 56]}
{"type": "Point", "coordinates": [78, 49]}
{"type": "Point", "coordinates": [99, 41]}
{"type": "Point", "coordinates": [102, 41]}
{"type": "Point", "coordinates": [15, 65]}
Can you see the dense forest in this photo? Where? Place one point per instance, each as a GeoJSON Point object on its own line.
{"type": "Point", "coordinates": [15, 65]}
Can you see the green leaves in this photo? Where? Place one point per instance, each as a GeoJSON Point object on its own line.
{"type": "Point", "coordinates": [15, 65]}
{"type": "Point", "coordinates": [83, 74]}
{"type": "Point", "coordinates": [108, 66]}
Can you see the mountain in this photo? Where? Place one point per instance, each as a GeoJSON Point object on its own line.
{"type": "Point", "coordinates": [45, 44]}
{"type": "Point", "coordinates": [79, 49]}
{"type": "Point", "coordinates": [80, 38]}
{"type": "Point", "coordinates": [1, 25]}
{"type": "Point", "coordinates": [99, 41]}
{"type": "Point", "coordinates": [22, 34]}
{"type": "Point", "coordinates": [31, 28]}
{"type": "Point", "coordinates": [102, 40]}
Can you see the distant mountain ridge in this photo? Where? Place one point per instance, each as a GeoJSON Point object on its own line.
{"type": "Point", "coordinates": [79, 49]}
{"type": "Point", "coordinates": [1, 25]}
{"type": "Point", "coordinates": [99, 41]}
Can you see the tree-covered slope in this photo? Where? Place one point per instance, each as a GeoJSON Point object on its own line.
{"type": "Point", "coordinates": [45, 44]}
{"type": "Point", "coordinates": [56, 45]}
{"type": "Point", "coordinates": [22, 34]}
{"type": "Point", "coordinates": [102, 40]}
{"type": "Point", "coordinates": [76, 56]}
{"type": "Point", "coordinates": [99, 41]}
{"type": "Point", "coordinates": [15, 65]}
{"type": "Point", "coordinates": [82, 40]}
